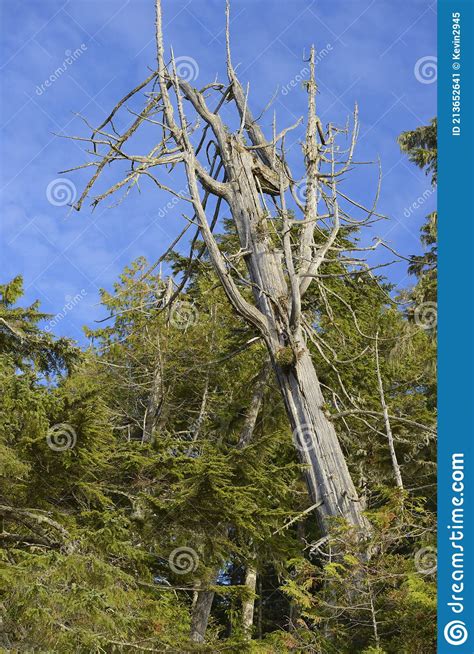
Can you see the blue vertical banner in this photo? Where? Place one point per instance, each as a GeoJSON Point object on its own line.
{"type": "Point", "coordinates": [456, 326]}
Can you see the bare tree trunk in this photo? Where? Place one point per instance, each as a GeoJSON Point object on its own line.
{"type": "Point", "coordinates": [196, 427]}
{"type": "Point", "coordinates": [154, 404]}
{"type": "Point", "coordinates": [315, 438]}
{"type": "Point", "coordinates": [329, 482]}
{"type": "Point", "coordinates": [388, 428]}
{"type": "Point", "coordinates": [255, 404]}
{"type": "Point", "coordinates": [373, 613]}
{"type": "Point", "coordinates": [248, 605]}
{"type": "Point", "coordinates": [200, 616]}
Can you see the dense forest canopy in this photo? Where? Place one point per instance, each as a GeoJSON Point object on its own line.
{"type": "Point", "coordinates": [159, 489]}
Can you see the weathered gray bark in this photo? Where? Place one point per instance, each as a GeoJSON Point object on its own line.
{"type": "Point", "coordinates": [254, 407]}
{"type": "Point", "coordinates": [328, 477]}
{"type": "Point", "coordinates": [200, 615]}
{"type": "Point", "coordinates": [248, 605]}
{"type": "Point", "coordinates": [329, 482]}
{"type": "Point", "coordinates": [154, 405]}
{"type": "Point", "coordinates": [196, 427]}
{"type": "Point", "coordinates": [388, 428]}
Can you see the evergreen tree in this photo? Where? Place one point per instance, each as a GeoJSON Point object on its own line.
{"type": "Point", "coordinates": [421, 147]}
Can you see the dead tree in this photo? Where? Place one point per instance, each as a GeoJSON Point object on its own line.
{"type": "Point", "coordinates": [391, 445]}
{"type": "Point", "coordinates": [284, 240]}
{"type": "Point", "coordinates": [248, 605]}
{"type": "Point", "coordinates": [155, 401]}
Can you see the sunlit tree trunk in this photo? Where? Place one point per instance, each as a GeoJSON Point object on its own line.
{"type": "Point", "coordinates": [248, 605]}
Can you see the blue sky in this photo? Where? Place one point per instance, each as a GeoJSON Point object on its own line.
{"type": "Point", "coordinates": [379, 53]}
